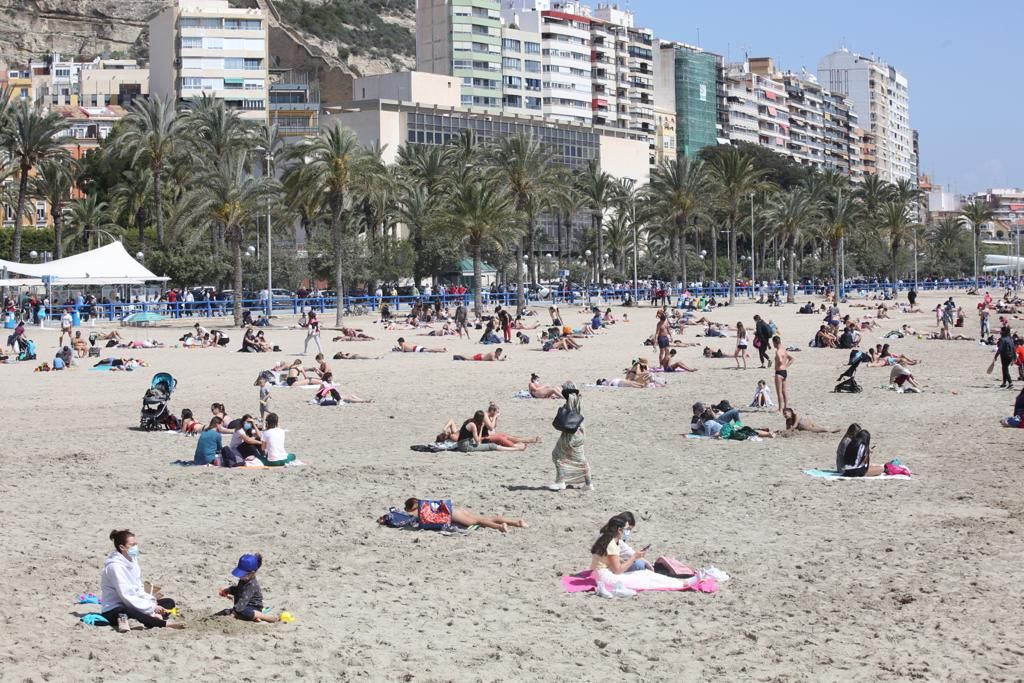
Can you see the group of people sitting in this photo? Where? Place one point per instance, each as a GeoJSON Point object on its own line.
{"type": "Point", "coordinates": [480, 433]}
{"type": "Point", "coordinates": [251, 444]}
{"type": "Point", "coordinates": [722, 421]}
{"type": "Point", "coordinates": [256, 342]}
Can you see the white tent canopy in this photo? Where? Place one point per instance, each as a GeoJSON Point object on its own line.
{"type": "Point", "coordinates": [107, 265]}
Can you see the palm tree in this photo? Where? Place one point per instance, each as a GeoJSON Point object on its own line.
{"type": "Point", "coordinates": [151, 134]}
{"type": "Point", "coordinates": [325, 167]}
{"type": "Point", "coordinates": [598, 189]}
{"type": "Point", "coordinates": [231, 198]}
{"type": "Point", "coordinates": [527, 168]}
{"type": "Point", "coordinates": [53, 183]}
{"type": "Point", "coordinates": [947, 245]}
{"type": "Point", "coordinates": [482, 213]}
{"type": "Point", "coordinates": [130, 198]}
{"type": "Point", "coordinates": [894, 224]}
{"type": "Point", "coordinates": [30, 137]}
{"type": "Point", "coordinates": [873, 192]}
{"type": "Point", "coordinates": [977, 213]}
{"type": "Point", "coordinates": [89, 216]}
{"type": "Point", "coordinates": [735, 176]}
{"type": "Point", "coordinates": [791, 214]}
{"type": "Point", "coordinates": [218, 131]}
{"type": "Point", "coordinates": [424, 171]}
{"type": "Point", "coordinates": [841, 212]}
{"type": "Point", "coordinates": [677, 190]}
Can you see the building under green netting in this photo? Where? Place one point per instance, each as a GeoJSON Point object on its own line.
{"type": "Point", "coordinates": [696, 81]}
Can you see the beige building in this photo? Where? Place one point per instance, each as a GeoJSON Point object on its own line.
{"type": "Point", "coordinates": [207, 47]}
{"type": "Point", "coordinates": [118, 82]}
{"type": "Point", "coordinates": [410, 86]}
{"type": "Point", "coordinates": [664, 134]}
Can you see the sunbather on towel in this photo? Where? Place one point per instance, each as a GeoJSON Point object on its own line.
{"type": "Point", "coordinates": [626, 553]}
{"type": "Point", "coordinates": [799, 423]}
{"type": "Point", "coordinates": [403, 347]}
{"type": "Point", "coordinates": [466, 517]}
{"type": "Point", "coordinates": [497, 354]}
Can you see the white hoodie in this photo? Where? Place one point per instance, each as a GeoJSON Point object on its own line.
{"type": "Point", "coordinates": [121, 585]}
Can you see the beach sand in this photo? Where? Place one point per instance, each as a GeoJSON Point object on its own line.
{"type": "Point", "coordinates": [865, 580]}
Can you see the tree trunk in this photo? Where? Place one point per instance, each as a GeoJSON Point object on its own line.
{"type": "Point", "coordinates": [20, 213]}
{"type": "Point", "coordinates": [531, 264]}
{"type": "Point", "coordinates": [58, 230]}
{"type": "Point", "coordinates": [140, 221]}
{"type": "Point", "coordinates": [561, 229]}
{"type": "Point", "coordinates": [681, 228]}
{"type": "Point", "coordinates": [237, 303]}
{"type": "Point", "coordinates": [478, 299]}
{"type": "Point", "coordinates": [835, 279]}
{"type": "Point", "coordinates": [520, 295]}
{"type": "Point", "coordinates": [158, 206]}
{"type": "Point", "coordinates": [895, 262]}
{"type": "Point", "coordinates": [732, 262]}
{"type": "Point", "coordinates": [339, 283]}
{"type": "Point", "coordinates": [714, 253]}
{"type": "Point", "coordinates": [791, 291]}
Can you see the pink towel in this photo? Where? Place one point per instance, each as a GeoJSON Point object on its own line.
{"type": "Point", "coordinates": [584, 581]}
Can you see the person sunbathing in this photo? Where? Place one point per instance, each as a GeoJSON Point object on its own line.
{"type": "Point", "coordinates": [445, 331]}
{"type": "Point", "coordinates": [495, 355]}
{"type": "Point", "coordinates": [297, 375]}
{"type": "Point", "coordinates": [341, 355]}
{"type": "Point", "coordinates": [947, 337]}
{"type": "Point", "coordinates": [467, 518]}
{"type": "Point", "coordinates": [491, 434]}
{"type": "Point", "coordinates": [352, 334]}
{"type": "Point", "coordinates": [799, 423]}
{"type": "Point", "coordinates": [561, 344]}
{"type": "Point", "coordinates": [403, 347]}
{"type": "Point", "coordinates": [520, 325]}
{"type": "Point", "coordinates": [121, 363]}
{"type": "Point", "coordinates": [471, 437]}
{"type": "Point", "coordinates": [538, 390]}
{"type": "Point", "coordinates": [113, 334]}
{"type": "Point", "coordinates": [141, 344]}
{"type": "Point", "coordinates": [884, 353]}
{"type": "Point", "coordinates": [713, 353]}
{"type": "Point", "coordinates": [189, 425]}
{"type": "Point", "coordinates": [620, 382]}
{"type": "Point", "coordinates": [908, 330]}
{"type": "Point", "coordinates": [80, 345]}
{"type": "Point", "coordinates": [676, 365]}
{"type": "Point", "coordinates": [328, 389]}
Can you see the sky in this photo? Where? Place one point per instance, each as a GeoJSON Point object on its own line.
{"type": "Point", "coordinates": [963, 60]}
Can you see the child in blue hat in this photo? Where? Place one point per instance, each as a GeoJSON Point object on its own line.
{"type": "Point", "coordinates": [246, 594]}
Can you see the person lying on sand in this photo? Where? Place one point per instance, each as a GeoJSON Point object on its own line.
{"type": "Point", "coordinates": [799, 423]}
{"type": "Point", "coordinates": [467, 518]}
{"type": "Point", "coordinates": [491, 434]}
{"type": "Point", "coordinates": [403, 347]}
{"type": "Point", "coordinates": [113, 334]}
{"type": "Point", "coordinates": [352, 334]}
{"type": "Point", "coordinates": [341, 355]}
{"type": "Point", "coordinates": [495, 355]}
{"type": "Point", "coordinates": [142, 344]}
{"type": "Point", "coordinates": [955, 337]}
{"type": "Point", "coordinates": [713, 353]}
{"type": "Point", "coordinates": [561, 344]}
{"type": "Point", "coordinates": [538, 390]}
{"type": "Point", "coordinates": [445, 331]}
{"type": "Point", "coordinates": [620, 382]}
{"type": "Point", "coordinates": [121, 363]}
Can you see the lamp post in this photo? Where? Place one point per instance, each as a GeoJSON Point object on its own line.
{"type": "Point", "coordinates": [703, 255]}
{"type": "Point", "coordinates": [270, 250]}
{"type": "Point", "coordinates": [751, 243]}
{"type": "Point", "coordinates": [590, 268]}
{"type": "Point", "coordinates": [915, 257]}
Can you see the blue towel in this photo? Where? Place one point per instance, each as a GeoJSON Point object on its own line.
{"type": "Point", "coordinates": [95, 619]}
{"type": "Point", "coordinates": [834, 474]}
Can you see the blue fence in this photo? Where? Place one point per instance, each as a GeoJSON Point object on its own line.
{"type": "Point", "coordinates": [214, 309]}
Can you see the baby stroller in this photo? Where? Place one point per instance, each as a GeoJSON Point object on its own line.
{"type": "Point", "coordinates": [847, 383]}
{"type": "Point", "coordinates": [156, 413]}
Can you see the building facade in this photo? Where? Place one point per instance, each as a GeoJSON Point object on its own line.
{"type": "Point", "coordinates": [881, 99]}
{"type": "Point", "coordinates": [462, 38]}
{"type": "Point", "coordinates": [294, 102]}
{"type": "Point", "coordinates": [758, 107]}
{"type": "Point", "coordinates": [687, 81]}
{"type": "Point", "coordinates": [1007, 205]}
{"type": "Point", "coordinates": [207, 47]}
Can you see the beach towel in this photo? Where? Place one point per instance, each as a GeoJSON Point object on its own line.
{"type": "Point", "coordinates": [835, 474]}
{"type": "Point", "coordinates": [95, 619]}
{"type": "Point", "coordinates": [434, 447]}
{"type": "Point", "coordinates": [613, 585]}
{"type": "Point", "coordinates": [701, 436]}
{"type": "Point", "coordinates": [523, 393]}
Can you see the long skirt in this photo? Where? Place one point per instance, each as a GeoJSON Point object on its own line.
{"type": "Point", "coordinates": [571, 465]}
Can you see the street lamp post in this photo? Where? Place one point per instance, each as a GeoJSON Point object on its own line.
{"type": "Point", "coordinates": [590, 267]}
{"type": "Point", "coordinates": [270, 251]}
{"type": "Point", "coordinates": [752, 276]}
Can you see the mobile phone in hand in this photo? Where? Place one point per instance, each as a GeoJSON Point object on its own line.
{"type": "Point", "coordinates": [646, 548]}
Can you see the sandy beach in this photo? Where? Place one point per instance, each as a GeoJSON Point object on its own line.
{"type": "Point", "coordinates": [865, 580]}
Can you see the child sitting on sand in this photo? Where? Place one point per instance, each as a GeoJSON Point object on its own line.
{"type": "Point", "coordinates": [762, 396]}
{"type": "Point", "coordinates": [246, 594]}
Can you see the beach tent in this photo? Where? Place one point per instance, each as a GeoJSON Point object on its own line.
{"type": "Point", "coordinates": [107, 265]}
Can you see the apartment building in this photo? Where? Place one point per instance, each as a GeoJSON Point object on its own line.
{"type": "Point", "coordinates": [687, 81]}
{"type": "Point", "coordinates": [294, 102]}
{"type": "Point", "coordinates": [842, 140]}
{"type": "Point", "coordinates": [522, 72]}
{"type": "Point", "coordinates": [20, 83]}
{"type": "Point", "coordinates": [207, 47]}
{"type": "Point", "coordinates": [880, 95]}
{"type": "Point", "coordinates": [1007, 205]}
{"type": "Point", "coordinates": [462, 38]}
{"type": "Point", "coordinates": [630, 68]}
{"type": "Point", "coordinates": [666, 135]}
{"type": "Point", "coordinates": [758, 106]}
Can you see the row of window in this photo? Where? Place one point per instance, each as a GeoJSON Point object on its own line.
{"type": "Point", "coordinates": [518, 102]}
{"type": "Point", "coordinates": [515, 82]}
{"type": "Point", "coordinates": [565, 54]}
{"type": "Point", "coordinates": [513, 45]}
{"type": "Point", "coordinates": [219, 23]}
{"type": "Point", "coordinates": [192, 83]}
{"type": "Point", "coordinates": [207, 43]}
{"type": "Point", "coordinates": [222, 63]}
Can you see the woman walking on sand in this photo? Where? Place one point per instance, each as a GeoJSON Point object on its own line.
{"type": "Point", "coordinates": [741, 345]}
{"type": "Point", "coordinates": [571, 467]}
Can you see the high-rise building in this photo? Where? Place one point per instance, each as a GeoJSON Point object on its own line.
{"type": "Point", "coordinates": [629, 71]}
{"type": "Point", "coordinates": [758, 106]}
{"type": "Point", "coordinates": [207, 47]}
{"type": "Point", "coordinates": [462, 38]}
{"type": "Point", "coordinates": [880, 95]}
{"type": "Point", "coordinates": [294, 103]}
{"type": "Point", "coordinates": [686, 81]}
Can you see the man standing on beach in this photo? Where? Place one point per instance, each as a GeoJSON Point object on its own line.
{"type": "Point", "coordinates": [460, 321]}
{"type": "Point", "coordinates": [762, 333]}
{"type": "Point", "coordinates": [782, 363]}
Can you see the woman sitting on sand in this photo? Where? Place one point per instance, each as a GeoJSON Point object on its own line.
{"type": "Point", "coordinates": [297, 375]}
{"type": "Point", "coordinates": [209, 444]}
{"type": "Point", "coordinates": [467, 518]}
{"type": "Point", "coordinates": [608, 567]}
{"type": "Point", "coordinates": [329, 390]}
{"type": "Point", "coordinates": [246, 441]}
{"type": "Point", "coordinates": [639, 372]}
{"type": "Point", "coordinates": [495, 355]}
{"type": "Point", "coordinates": [81, 347]}
{"type": "Point", "coordinates": [538, 390]}
{"type": "Point", "coordinates": [853, 455]}
{"type": "Point", "coordinates": [825, 339]}
{"type": "Point", "coordinates": [471, 437]}
{"type": "Point", "coordinates": [491, 434]}
{"type": "Point", "coordinates": [798, 423]}
{"type": "Point", "coordinates": [227, 425]}
{"type": "Point", "coordinates": [123, 594]}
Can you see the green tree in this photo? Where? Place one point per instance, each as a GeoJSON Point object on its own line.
{"type": "Point", "coordinates": [792, 214]}
{"type": "Point", "coordinates": [976, 214]}
{"type": "Point", "coordinates": [598, 190]}
{"type": "Point", "coordinates": [88, 217]}
{"type": "Point", "coordinates": [30, 137]}
{"type": "Point", "coordinates": [481, 213]}
{"type": "Point", "coordinates": [423, 171]}
{"type": "Point", "coordinates": [894, 224]}
{"type": "Point", "coordinates": [130, 198]}
{"type": "Point", "coordinates": [735, 176]}
{"type": "Point", "coordinates": [948, 247]}
{"type": "Point", "coordinates": [840, 215]}
{"type": "Point", "coordinates": [677, 191]}
{"type": "Point", "coordinates": [53, 183]}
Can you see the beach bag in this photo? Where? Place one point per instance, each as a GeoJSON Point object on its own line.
{"type": "Point", "coordinates": [669, 566]}
{"type": "Point", "coordinates": [396, 519]}
{"type": "Point", "coordinates": [94, 352]}
{"type": "Point", "coordinates": [567, 420]}
{"type": "Point", "coordinates": [435, 514]}
{"type": "Point", "coordinates": [758, 343]}
{"type": "Point", "coordinates": [229, 457]}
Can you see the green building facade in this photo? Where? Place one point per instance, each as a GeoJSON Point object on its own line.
{"type": "Point", "coordinates": [697, 97]}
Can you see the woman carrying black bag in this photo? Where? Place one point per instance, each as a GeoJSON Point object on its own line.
{"type": "Point", "coordinates": [571, 468]}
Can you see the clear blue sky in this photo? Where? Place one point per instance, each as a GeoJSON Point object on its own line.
{"type": "Point", "coordinates": [963, 59]}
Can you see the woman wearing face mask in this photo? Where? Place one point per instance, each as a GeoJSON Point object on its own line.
{"type": "Point", "coordinates": [626, 554]}
{"type": "Point", "coordinates": [612, 573]}
{"type": "Point", "coordinates": [122, 589]}
{"type": "Point", "coordinates": [247, 440]}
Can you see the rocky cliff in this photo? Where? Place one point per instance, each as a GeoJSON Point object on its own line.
{"type": "Point", "coordinates": [354, 37]}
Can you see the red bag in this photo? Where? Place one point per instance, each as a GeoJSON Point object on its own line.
{"type": "Point", "coordinates": [435, 514]}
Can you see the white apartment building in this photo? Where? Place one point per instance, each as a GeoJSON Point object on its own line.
{"type": "Point", "coordinates": [758, 108]}
{"type": "Point", "coordinates": [522, 72]}
{"type": "Point", "coordinates": [207, 47]}
{"type": "Point", "coordinates": [880, 95]}
{"type": "Point", "coordinates": [630, 51]}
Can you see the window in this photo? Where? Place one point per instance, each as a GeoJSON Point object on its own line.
{"type": "Point", "coordinates": [513, 101]}
{"type": "Point", "coordinates": [513, 82]}
{"type": "Point", "coordinates": [40, 213]}
{"type": "Point", "coordinates": [532, 48]}
{"type": "Point", "coordinates": [188, 42]}
{"type": "Point", "coordinates": [533, 84]}
{"type": "Point", "coordinates": [233, 83]}
{"type": "Point", "coordinates": [196, 22]}
{"type": "Point", "coordinates": [510, 63]}
{"type": "Point", "coordinates": [532, 66]}
{"type": "Point", "coordinates": [533, 103]}
{"type": "Point", "coordinates": [252, 64]}
{"type": "Point", "coordinates": [63, 73]}
{"type": "Point", "coordinates": [191, 83]}
{"type": "Point", "coordinates": [214, 43]}
{"type": "Point", "coordinates": [466, 101]}
{"type": "Point", "coordinates": [243, 24]}
{"type": "Point", "coordinates": [511, 45]}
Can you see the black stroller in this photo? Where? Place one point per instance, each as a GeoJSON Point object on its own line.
{"type": "Point", "coordinates": [847, 383]}
{"type": "Point", "coordinates": [156, 413]}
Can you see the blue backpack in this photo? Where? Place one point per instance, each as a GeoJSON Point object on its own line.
{"type": "Point", "coordinates": [396, 519]}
